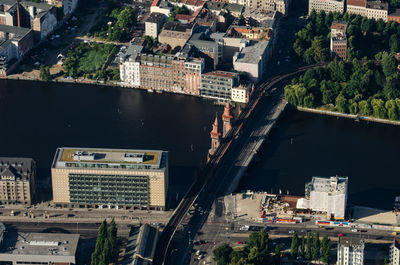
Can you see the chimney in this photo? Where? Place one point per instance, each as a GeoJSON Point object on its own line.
{"type": "Point", "coordinates": [18, 15]}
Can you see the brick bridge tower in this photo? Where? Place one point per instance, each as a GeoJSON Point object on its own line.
{"type": "Point", "coordinates": [215, 137]}
{"type": "Point", "coordinates": [226, 118]}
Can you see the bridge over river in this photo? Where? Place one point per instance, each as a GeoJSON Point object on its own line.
{"type": "Point", "coordinates": [223, 171]}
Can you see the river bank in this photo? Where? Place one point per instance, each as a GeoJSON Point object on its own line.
{"type": "Point", "coordinates": [348, 116]}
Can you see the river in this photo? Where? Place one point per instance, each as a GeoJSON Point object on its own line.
{"type": "Point", "coordinates": [37, 117]}
{"type": "Point", "coordinates": [305, 145]}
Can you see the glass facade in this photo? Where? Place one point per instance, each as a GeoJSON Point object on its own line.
{"type": "Point", "coordinates": [109, 189]}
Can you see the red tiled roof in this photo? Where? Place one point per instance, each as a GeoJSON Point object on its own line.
{"type": "Point", "coordinates": [361, 3]}
{"type": "Point", "coordinates": [155, 3]}
{"type": "Point", "coordinates": [339, 25]}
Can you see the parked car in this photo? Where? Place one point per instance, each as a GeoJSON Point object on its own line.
{"type": "Point", "coordinates": [244, 228]}
{"type": "Point", "coordinates": [354, 230]}
{"type": "Point", "coordinates": [340, 235]}
{"type": "Point", "coordinates": [240, 242]}
{"type": "Point", "coordinates": [291, 232]}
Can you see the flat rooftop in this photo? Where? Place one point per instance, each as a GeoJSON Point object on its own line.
{"type": "Point", "coordinates": [45, 244]}
{"type": "Point", "coordinates": [67, 157]}
{"type": "Point", "coordinates": [334, 185]}
{"type": "Point", "coordinates": [252, 54]}
{"type": "Point", "coordinates": [351, 241]}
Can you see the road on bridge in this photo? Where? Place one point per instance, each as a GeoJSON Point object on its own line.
{"type": "Point", "coordinates": [214, 178]}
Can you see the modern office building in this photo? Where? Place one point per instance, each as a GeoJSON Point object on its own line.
{"type": "Point", "coordinates": [326, 5]}
{"type": "Point", "coordinates": [39, 248]}
{"type": "Point", "coordinates": [350, 251]}
{"type": "Point", "coordinates": [327, 195]}
{"type": "Point", "coordinates": [218, 85]}
{"type": "Point", "coordinates": [17, 180]}
{"type": "Point", "coordinates": [395, 252]}
{"type": "Point", "coordinates": [338, 45]}
{"type": "Point", "coordinates": [112, 178]}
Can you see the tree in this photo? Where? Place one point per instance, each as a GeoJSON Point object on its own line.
{"type": "Point", "coordinates": [294, 248]}
{"type": "Point", "coordinates": [394, 43]}
{"type": "Point", "coordinates": [315, 247]}
{"type": "Point", "coordinates": [303, 246]}
{"type": "Point", "coordinates": [112, 236]}
{"type": "Point", "coordinates": [353, 108]}
{"type": "Point", "coordinates": [126, 19]}
{"type": "Point", "coordinates": [222, 254]}
{"type": "Point", "coordinates": [309, 247]}
{"type": "Point", "coordinates": [378, 108]}
{"type": "Point", "coordinates": [365, 107]}
{"type": "Point", "coordinates": [341, 104]}
{"type": "Point", "coordinates": [392, 110]}
{"type": "Point", "coordinates": [388, 64]}
{"type": "Point", "coordinates": [325, 249]}
{"type": "Point", "coordinates": [44, 73]}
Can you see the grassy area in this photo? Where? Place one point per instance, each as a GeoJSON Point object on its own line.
{"type": "Point", "coordinates": [88, 60]}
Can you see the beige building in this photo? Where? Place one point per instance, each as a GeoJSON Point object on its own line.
{"type": "Point", "coordinates": [369, 9]}
{"type": "Point", "coordinates": [326, 5]}
{"type": "Point", "coordinates": [110, 178]}
{"type": "Point", "coordinates": [153, 24]}
{"type": "Point", "coordinates": [281, 6]}
{"type": "Point", "coordinates": [17, 180]}
{"type": "Point", "coordinates": [377, 10]}
{"type": "Point", "coordinates": [176, 34]}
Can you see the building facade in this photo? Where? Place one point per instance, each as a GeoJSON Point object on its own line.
{"type": "Point", "coordinates": [326, 5]}
{"type": "Point", "coordinates": [395, 252]}
{"type": "Point", "coordinates": [241, 93]}
{"type": "Point", "coordinates": [17, 180]}
{"type": "Point", "coordinates": [327, 195]}
{"type": "Point", "coordinates": [15, 42]}
{"type": "Point", "coordinates": [176, 34]}
{"type": "Point", "coordinates": [377, 10]}
{"type": "Point", "coordinates": [350, 251]}
{"type": "Point", "coordinates": [153, 24]}
{"type": "Point", "coordinates": [218, 85]}
{"type": "Point", "coordinates": [162, 73]}
{"type": "Point", "coordinates": [39, 248]}
{"type": "Point", "coordinates": [394, 15]}
{"type": "Point", "coordinates": [110, 178]}
{"type": "Point", "coordinates": [356, 7]}
{"type": "Point", "coordinates": [338, 45]}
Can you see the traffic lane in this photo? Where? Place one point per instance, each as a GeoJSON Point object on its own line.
{"type": "Point", "coordinates": [281, 229]}
{"type": "Point", "coordinates": [84, 229]}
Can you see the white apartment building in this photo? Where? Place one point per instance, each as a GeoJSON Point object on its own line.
{"type": "Point", "coordinates": [350, 251]}
{"type": "Point", "coordinates": [369, 9]}
{"type": "Point", "coordinates": [326, 195]}
{"type": "Point", "coordinates": [326, 5]}
{"type": "Point", "coordinates": [395, 252]}
{"type": "Point", "coordinates": [241, 93]}
{"type": "Point", "coordinates": [129, 67]}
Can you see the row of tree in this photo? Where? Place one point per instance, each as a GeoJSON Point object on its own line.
{"type": "Point", "coordinates": [311, 248]}
{"type": "Point", "coordinates": [105, 251]}
{"type": "Point", "coordinates": [257, 251]}
{"type": "Point", "coordinates": [366, 37]}
{"type": "Point", "coordinates": [356, 87]}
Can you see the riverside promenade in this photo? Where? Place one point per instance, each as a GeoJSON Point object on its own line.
{"type": "Point", "coordinates": [348, 116]}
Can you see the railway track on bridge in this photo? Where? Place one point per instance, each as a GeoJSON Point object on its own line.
{"type": "Point", "coordinates": [206, 174]}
